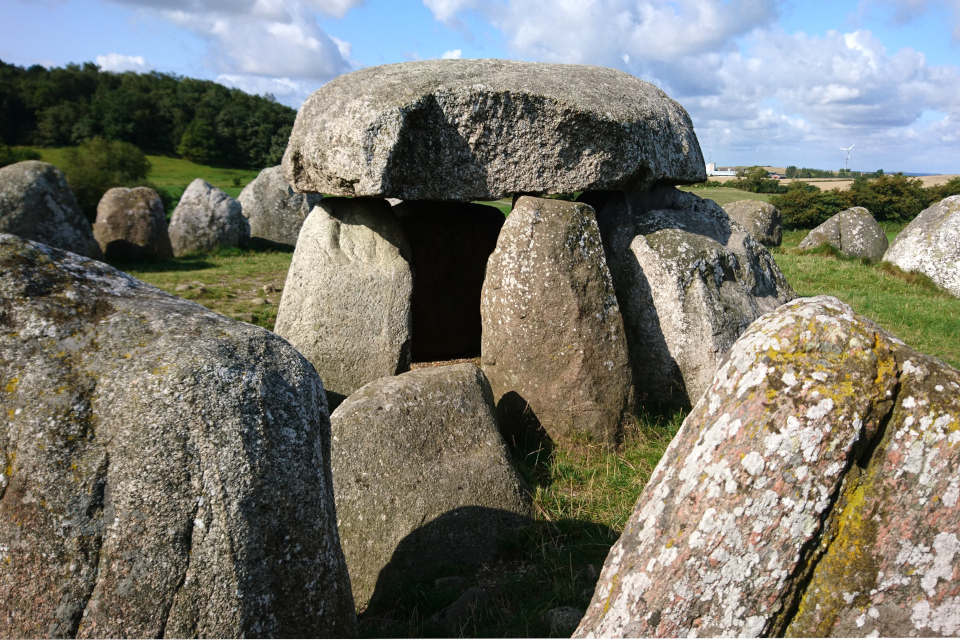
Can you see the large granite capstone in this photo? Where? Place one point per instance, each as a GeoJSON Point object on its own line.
{"type": "Point", "coordinates": [481, 129]}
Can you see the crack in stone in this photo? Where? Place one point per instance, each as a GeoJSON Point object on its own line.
{"type": "Point", "coordinates": [816, 548]}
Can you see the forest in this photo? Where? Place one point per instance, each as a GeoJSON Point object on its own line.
{"type": "Point", "coordinates": [160, 113]}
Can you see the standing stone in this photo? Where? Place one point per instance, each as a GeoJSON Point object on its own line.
{"type": "Point", "coordinates": [274, 211]}
{"type": "Point", "coordinates": [689, 282]}
{"type": "Point", "coordinates": [811, 492]}
{"type": "Point", "coordinates": [762, 220]}
{"type": "Point", "coordinates": [422, 479]}
{"type": "Point", "coordinates": [346, 301]}
{"type": "Point", "coordinates": [131, 224]}
{"type": "Point", "coordinates": [36, 203]}
{"type": "Point", "coordinates": [206, 218]}
{"type": "Point", "coordinates": [852, 232]}
{"type": "Point", "coordinates": [553, 338]}
{"type": "Point", "coordinates": [164, 470]}
{"type": "Point", "coordinates": [451, 243]}
{"type": "Point", "coordinates": [483, 129]}
{"type": "Point", "coordinates": [930, 244]}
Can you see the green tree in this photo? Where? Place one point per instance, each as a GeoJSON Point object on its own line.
{"type": "Point", "coordinates": [98, 165]}
{"type": "Point", "coordinates": [199, 142]}
{"type": "Point", "coordinates": [791, 172]}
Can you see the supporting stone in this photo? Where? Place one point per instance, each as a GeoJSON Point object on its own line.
{"type": "Point", "coordinates": [346, 301]}
{"type": "Point", "coordinates": [553, 339]}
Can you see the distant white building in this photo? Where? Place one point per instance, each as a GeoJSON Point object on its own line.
{"type": "Point", "coordinates": [713, 171]}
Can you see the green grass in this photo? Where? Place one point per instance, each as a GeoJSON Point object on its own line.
{"type": "Point", "coordinates": [231, 279]}
{"type": "Point", "coordinates": [724, 196]}
{"type": "Point", "coordinates": [909, 306]}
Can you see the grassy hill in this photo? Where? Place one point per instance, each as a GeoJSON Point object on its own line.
{"type": "Point", "coordinates": [174, 174]}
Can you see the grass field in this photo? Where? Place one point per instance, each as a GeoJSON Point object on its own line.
{"type": "Point", "coordinates": [724, 196]}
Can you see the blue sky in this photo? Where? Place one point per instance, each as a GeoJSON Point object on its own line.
{"type": "Point", "coordinates": [765, 82]}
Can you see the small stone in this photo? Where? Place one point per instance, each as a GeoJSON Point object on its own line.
{"type": "Point", "coordinates": [268, 288]}
{"type": "Point", "coordinates": [563, 621]}
{"type": "Point", "coordinates": [183, 287]}
{"type": "Point", "coordinates": [201, 290]}
{"type": "Point", "coordinates": [259, 302]}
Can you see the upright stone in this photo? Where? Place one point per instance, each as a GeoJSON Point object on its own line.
{"type": "Point", "coordinates": [274, 211]}
{"type": "Point", "coordinates": [484, 129]}
{"type": "Point", "coordinates": [132, 224]}
{"type": "Point", "coordinates": [553, 339]}
{"type": "Point", "coordinates": [165, 470]}
{"type": "Point", "coordinates": [422, 478]}
{"type": "Point", "coordinates": [930, 244]}
{"type": "Point", "coordinates": [36, 203]}
{"type": "Point", "coordinates": [812, 492]}
{"type": "Point", "coordinates": [346, 301]}
{"type": "Point", "coordinates": [451, 243]}
{"type": "Point", "coordinates": [206, 218]}
{"type": "Point", "coordinates": [762, 220]}
{"type": "Point", "coordinates": [852, 232]}
{"type": "Point", "coordinates": [689, 282]}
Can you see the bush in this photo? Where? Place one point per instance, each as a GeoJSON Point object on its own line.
{"type": "Point", "coordinates": [938, 193]}
{"type": "Point", "coordinates": [99, 165]}
{"type": "Point", "coordinates": [12, 156]}
{"type": "Point", "coordinates": [755, 180]}
{"type": "Point", "coordinates": [889, 197]}
{"type": "Point", "coordinates": [804, 206]}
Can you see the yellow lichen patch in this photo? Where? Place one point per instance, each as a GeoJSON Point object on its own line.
{"type": "Point", "coordinates": [846, 573]}
{"type": "Point", "coordinates": [613, 586]}
{"type": "Point", "coordinates": [11, 385]}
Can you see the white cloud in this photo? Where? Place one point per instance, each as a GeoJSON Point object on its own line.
{"type": "Point", "coordinates": [454, 54]}
{"type": "Point", "coordinates": [119, 63]}
{"type": "Point", "coordinates": [755, 92]}
{"type": "Point", "coordinates": [254, 42]}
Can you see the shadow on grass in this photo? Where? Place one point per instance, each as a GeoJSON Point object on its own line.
{"type": "Point", "coordinates": [188, 263]}
{"type": "Point", "coordinates": [542, 566]}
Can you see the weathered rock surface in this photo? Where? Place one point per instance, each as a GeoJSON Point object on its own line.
{"type": "Point", "coordinates": [36, 203]}
{"type": "Point", "coordinates": [811, 492]}
{"type": "Point", "coordinates": [132, 224]}
{"type": "Point", "coordinates": [275, 212]}
{"type": "Point", "coordinates": [451, 243]}
{"type": "Point", "coordinates": [762, 220]}
{"type": "Point", "coordinates": [165, 470]}
{"type": "Point", "coordinates": [931, 245]}
{"type": "Point", "coordinates": [346, 301]}
{"type": "Point", "coordinates": [422, 478]}
{"type": "Point", "coordinates": [853, 232]}
{"type": "Point", "coordinates": [482, 129]}
{"type": "Point", "coordinates": [553, 339]}
{"type": "Point", "coordinates": [689, 282]}
{"type": "Point", "coordinates": [206, 218]}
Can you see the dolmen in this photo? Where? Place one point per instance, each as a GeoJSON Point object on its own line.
{"type": "Point", "coordinates": [930, 245]}
{"type": "Point", "coordinates": [812, 492]}
{"type": "Point", "coordinates": [36, 203]}
{"type": "Point", "coordinates": [376, 284]}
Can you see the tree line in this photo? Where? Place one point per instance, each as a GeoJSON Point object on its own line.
{"type": "Point", "coordinates": [159, 113]}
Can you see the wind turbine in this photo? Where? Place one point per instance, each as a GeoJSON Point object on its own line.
{"type": "Point", "coordinates": [848, 156]}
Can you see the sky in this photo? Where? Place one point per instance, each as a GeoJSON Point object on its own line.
{"type": "Point", "coordinates": [769, 82]}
